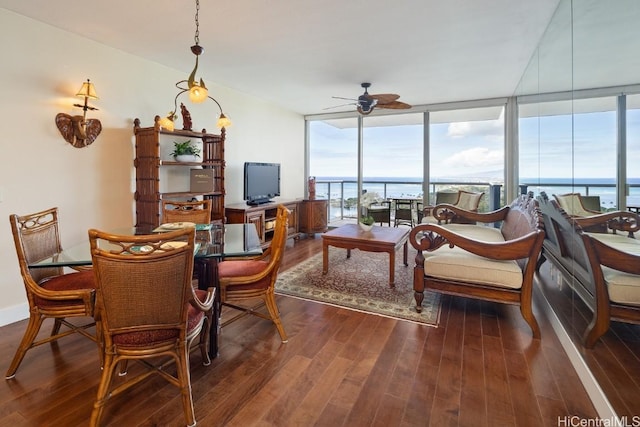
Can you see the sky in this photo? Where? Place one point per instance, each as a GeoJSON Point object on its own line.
{"type": "Point", "coordinates": [475, 149]}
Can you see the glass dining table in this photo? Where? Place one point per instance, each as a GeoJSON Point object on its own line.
{"type": "Point", "coordinates": [214, 242]}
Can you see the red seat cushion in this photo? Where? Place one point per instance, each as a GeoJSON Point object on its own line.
{"type": "Point", "coordinates": [241, 268]}
{"type": "Point", "coordinates": [146, 338]}
{"type": "Point", "coordinates": [66, 282]}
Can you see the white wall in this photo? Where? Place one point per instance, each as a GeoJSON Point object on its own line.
{"type": "Point", "coordinates": [42, 68]}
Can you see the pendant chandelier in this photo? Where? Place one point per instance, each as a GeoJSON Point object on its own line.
{"type": "Point", "coordinates": [198, 91]}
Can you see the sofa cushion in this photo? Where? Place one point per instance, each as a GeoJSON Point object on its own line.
{"type": "Point", "coordinates": [623, 288]}
{"type": "Point", "coordinates": [482, 233]}
{"type": "Point", "coordinates": [446, 262]}
{"type": "Point", "coordinates": [618, 241]}
{"type": "Point", "coordinates": [469, 201]}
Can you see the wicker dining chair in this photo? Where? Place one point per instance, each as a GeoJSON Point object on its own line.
{"type": "Point", "coordinates": [248, 279]}
{"type": "Point", "coordinates": [147, 308]}
{"type": "Point", "coordinates": [198, 212]}
{"type": "Point", "coordinates": [50, 292]}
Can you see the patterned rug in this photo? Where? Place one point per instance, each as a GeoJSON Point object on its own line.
{"type": "Point", "coordinates": [360, 283]}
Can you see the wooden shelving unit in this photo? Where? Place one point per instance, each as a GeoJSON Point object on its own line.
{"type": "Point", "coordinates": [159, 177]}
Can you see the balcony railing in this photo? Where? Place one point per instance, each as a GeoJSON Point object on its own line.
{"type": "Point", "coordinates": [342, 194]}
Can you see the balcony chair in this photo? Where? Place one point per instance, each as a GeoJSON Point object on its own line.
{"type": "Point", "coordinates": [574, 204]}
{"type": "Point", "coordinates": [404, 212]}
{"type": "Point", "coordinates": [50, 292]}
{"type": "Point", "coordinates": [419, 211]}
{"type": "Point", "coordinates": [466, 200]}
{"type": "Point", "coordinates": [198, 212]}
{"type": "Point", "coordinates": [248, 279]}
{"type": "Point", "coordinates": [380, 212]}
{"type": "Point", "coordinates": [146, 308]}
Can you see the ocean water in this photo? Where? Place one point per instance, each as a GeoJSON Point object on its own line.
{"type": "Point", "coordinates": [344, 189]}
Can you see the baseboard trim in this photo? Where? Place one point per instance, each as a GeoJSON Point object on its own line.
{"type": "Point", "coordinates": [13, 314]}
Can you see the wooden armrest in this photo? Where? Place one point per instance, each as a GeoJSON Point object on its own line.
{"type": "Point", "coordinates": [446, 212]}
{"type": "Point", "coordinates": [86, 295]}
{"type": "Point", "coordinates": [616, 221]}
{"type": "Point", "coordinates": [427, 210]}
{"type": "Point", "coordinates": [433, 236]}
{"type": "Point", "coordinates": [612, 257]}
{"type": "Point", "coordinates": [207, 303]}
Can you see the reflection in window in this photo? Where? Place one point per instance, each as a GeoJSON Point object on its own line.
{"type": "Point", "coordinates": [570, 146]}
{"type": "Point", "coordinates": [633, 150]}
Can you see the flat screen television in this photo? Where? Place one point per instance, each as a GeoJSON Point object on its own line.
{"type": "Point", "coordinates": [261, 182]}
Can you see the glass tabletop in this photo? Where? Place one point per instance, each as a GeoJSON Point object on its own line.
{"type": "Point", "coordinates": [228, 240]}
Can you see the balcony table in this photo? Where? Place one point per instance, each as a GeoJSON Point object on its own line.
{"type": "Point", "coordinates": [220, 242]}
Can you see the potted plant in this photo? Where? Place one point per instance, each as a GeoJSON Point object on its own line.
{"type": "Point", "coordinates": [185, 151]}
{"type": "Point", "coordinates": [366, 221]}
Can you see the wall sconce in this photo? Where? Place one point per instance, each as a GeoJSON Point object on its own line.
{"type": "Point", "coordinates": [198, 91]}
{"type": "Point", "coordinates": [78, 130]}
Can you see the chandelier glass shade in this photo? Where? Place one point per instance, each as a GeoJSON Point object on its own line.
{"type": "Point", "coordinates": [197, 90]}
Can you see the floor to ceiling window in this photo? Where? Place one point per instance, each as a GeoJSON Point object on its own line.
{"type": "Point", "coordinates": [570, 146]}
{"type": "Point", "coordinates": [333, 160]}
{"type": "Point", "coordinates": [392, 155]}
{"type": "Point", "coordinates": [466, 151]}
{"type": "Point", "coordinates": [633, 150]}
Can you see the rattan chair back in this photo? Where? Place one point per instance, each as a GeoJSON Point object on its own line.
{"type": "Point", "coordinates": [142, 305]}
{"type": "Point", "coordinates": [242, 280]}
{"type": "Point", "coordinates": [36, 237]}
{"type": "Point", "coordinates": [198, 212]}
{"type": "Point", "coordinates": [50, 293]}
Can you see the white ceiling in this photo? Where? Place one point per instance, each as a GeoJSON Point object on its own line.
{"type": "Point", "coordinates": [298, 54]}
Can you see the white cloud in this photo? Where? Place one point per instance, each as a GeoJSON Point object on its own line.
{"type": "Point", "coordinates": [486, 128]}
{"type": "Point", "coordinates": [476, 157]}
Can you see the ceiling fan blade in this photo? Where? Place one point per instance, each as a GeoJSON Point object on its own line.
{"type": "Point", "coordinates": [341, 105]}
{"type": "Point", "coordinates": [348, 99]}
{"type": "Point", "coordinates": [395, 105]}
{"type": "Point", "coordinates": [385, 98]}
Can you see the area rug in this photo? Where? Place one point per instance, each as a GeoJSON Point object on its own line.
{"type": "Point", "coordinates": [360, 283]}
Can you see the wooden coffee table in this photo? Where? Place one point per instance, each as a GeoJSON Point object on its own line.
{"type": "Point", "coordinates": [379, 239]}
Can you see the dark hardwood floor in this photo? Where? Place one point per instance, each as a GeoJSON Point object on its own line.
{"type": "Point", "coordinates": [614, 360]}
{"type": "Point", "coordinates": [480, 367]}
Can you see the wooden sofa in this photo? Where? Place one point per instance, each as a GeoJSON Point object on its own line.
{"type": "Point", "coordinates": [603, 268]}
{"type": "Point", "coordinates": [482, 261]}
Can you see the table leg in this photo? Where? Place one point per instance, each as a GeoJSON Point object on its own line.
{"type": "Point", "coordinates": [392, 267]}
{"type": "Point", "coordinates": [208, 276]}
{"type": "Point", "coordinates": [325, 257]}
{"type": "Point", "coordinates": [405, 253]}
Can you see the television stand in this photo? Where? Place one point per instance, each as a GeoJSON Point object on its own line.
{"type": "Point", "coordinates": [264, 218]}
{"type": "Point", "coordinates": [259, 202]}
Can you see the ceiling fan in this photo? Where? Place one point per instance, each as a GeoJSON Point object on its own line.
{"type": "Point", "coordinates": [367, 102]}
